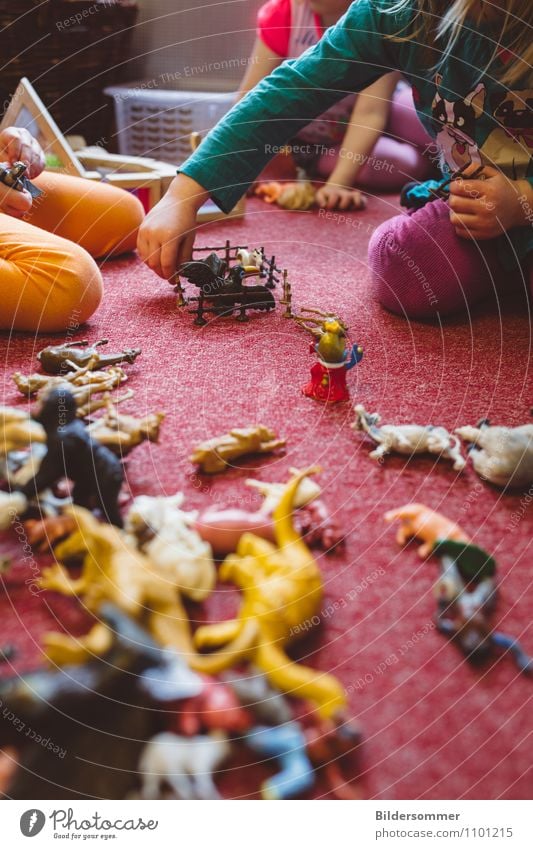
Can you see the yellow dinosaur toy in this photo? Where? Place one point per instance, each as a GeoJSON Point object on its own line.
{"type": "Point", "coordinates": [282, 591]}
{"type": "Point", "coordinates": [113, 571]}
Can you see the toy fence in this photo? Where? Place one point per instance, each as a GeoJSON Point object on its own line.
{"type": "Point", "coordinates": [158, 123]}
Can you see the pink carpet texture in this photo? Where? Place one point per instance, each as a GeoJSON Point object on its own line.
{"type": "Point", "coordinates": [435, 727]}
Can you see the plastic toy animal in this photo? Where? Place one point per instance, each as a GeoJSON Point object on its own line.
{"type": "Point", "coordinates": [17, 431]}
{"type": "Point", "coordinates": [408, 439]}
{"type": "Point", "coordinates": [301, 749]}
{"type": "Point", "coordinates": [419, 521]}
{"type": "Point", "coordinates": [70, 709]}
{"type": "Point", "coordinates": [96, 473]}
{"type": "Point", "coordinates": [165, 533]}
{"type": "Point", "coordinates": [186, 764]}
{"type": "Point", "coordinates": [45, 533]}
{"type": "Point", "coordinates": [223, 289]}
{"type": "Point", "coordinates": [297, 195]}
{"type": "Point", "coordinates": [223, 527]}
{"type": "Point", "coordinates": [113, 570]}
{"type": "Point", "coordinates": [83, 383]}
{"type": "Point", "coordinates": [215, 455]}
{"type": "Point", "coordinates": [58, 358]}
{"type": "Point", "coordinates": [501, 455]}
{"type": "Point", "coordinates": [13, 505]}
{"type": "Point", "coordinates": [466, 592]}
{"type": "Point", "coordinates": [120, 432]}
{"type": "Point", "coordinates": [15, 178]}
{"type": "Point", "coordinates": [281, 589]}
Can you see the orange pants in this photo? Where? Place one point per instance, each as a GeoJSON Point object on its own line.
{"type": "Point", "coordinates": [48, 277]}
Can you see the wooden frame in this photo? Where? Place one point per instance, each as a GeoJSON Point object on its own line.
{"type": "Point", "coordinates": [27, 110]}
{"type": "Point", "coordinates": [148, 176]}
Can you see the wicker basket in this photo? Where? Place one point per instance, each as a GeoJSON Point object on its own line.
{"type": "Point", "coordinates": [70, 50]}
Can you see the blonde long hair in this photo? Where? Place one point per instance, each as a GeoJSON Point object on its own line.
{"type": "Point", "coordinates": [513, 26]}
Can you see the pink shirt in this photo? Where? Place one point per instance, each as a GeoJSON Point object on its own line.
{"type": "Point", "coordinates": [289, 28]}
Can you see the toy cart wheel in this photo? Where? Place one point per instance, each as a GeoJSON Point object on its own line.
{"type": "Point", "coordinates": [242, 317]}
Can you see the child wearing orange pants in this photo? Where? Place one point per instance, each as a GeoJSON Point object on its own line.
{"type": "Point", "coordinates": [48, 277]}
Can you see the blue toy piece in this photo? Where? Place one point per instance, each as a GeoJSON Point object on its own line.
{"type": "Point", "coordinates": [286, 743]}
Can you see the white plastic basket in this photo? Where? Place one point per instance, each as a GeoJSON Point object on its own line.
{"type": "Point", "coordinates": [157, 123]}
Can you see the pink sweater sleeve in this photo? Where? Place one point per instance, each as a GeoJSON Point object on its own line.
{"type": "Point", "coordinates": [274, 26]}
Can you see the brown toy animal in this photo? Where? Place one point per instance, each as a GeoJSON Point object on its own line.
{"type": "Point", "coordinates": [215, 455]}
{"type": "Point", "coordinates": [121, 432]}
{"type": "Point", "coordinates": [58, 358]}
{"type": "Point", "coordinates": [44, 534]}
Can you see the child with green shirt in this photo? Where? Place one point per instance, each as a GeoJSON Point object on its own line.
{"type": "Point", "coordinates": [469, 63]}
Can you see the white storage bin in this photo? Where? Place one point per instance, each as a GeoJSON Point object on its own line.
{"type": "Point", "coordinates": [157, 123]}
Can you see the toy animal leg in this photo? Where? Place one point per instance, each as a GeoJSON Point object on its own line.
{"type": "Point", "coordinates": [109, 502]}
{"type": "Point", "coordinates": [151, 786]}
{"type": "Point", "coordinates": [56, 578]}
{"type": "Point", "coordinates": [286, 743]}
{"type": "Point", "coordinates": [212, 636]}
{"type": "Point", "coordinates": [63, 650]}
{"type": "Point", "coordinates": [241, 647]}
{"type": "Point", "coordinates": [470, 434]}
{"type": "Point", "coordinates": [171, 627]}
{"type": "Point", "coordinates": [404, 533]}
{"type": "Point", "coordinates": [181, 785]}
{"type": "Point", "coordinates": [380, 451]}
{"type": "Point", "coordinates": [300, 681]}
{"type": "Point", "coordinates": [205, 787]}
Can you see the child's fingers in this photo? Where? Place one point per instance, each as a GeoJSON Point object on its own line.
{"type": "Point", "coordinates": [14, 203]}
{"type": "Point", "coordinates": [463, 205]}
{"type": "Point", "coordinates": [469, 223]}
{"type": "Point", "coordinates": [346, 201]}
{"type": "Point", "coordinates": [168, 259]}
{"type": "Point", "coordinates": [467, 188]}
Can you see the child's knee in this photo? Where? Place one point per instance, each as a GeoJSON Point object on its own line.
{"type": "Point", "coordinates": [77, 292]}
{"type": "Point", "coordinates": [129, 217]}
{"type": "Point", "coordinates": [402, 266]}
{"type": "Point", "coordinates": [397, 279]}
{"type": "Point", "coordinates": [60, 292]}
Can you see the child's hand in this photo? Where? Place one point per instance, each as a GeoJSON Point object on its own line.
{"type": "Point", "coordinates": [12, 202]}
{"type": "Point", "coordinates": [166, 235]}
{"type": "Point", "coordinates": [18, 145]}
{"type": "Point", "coordinates": [337, 197]}
{"type": "Point", "coordinates": [484, 209]}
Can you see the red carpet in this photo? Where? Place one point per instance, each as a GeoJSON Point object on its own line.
{"type": "Point", "coordinates": [434, 726]}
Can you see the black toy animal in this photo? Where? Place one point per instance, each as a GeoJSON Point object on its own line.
{"type": "Point", "coordinates": [80, 730]}
{"type": "Point", "coordinates": [223, 288]}
{"type": "Point", "coordinates": [15, 178]}
{"type": "Point", "coordinates": [94, 470]}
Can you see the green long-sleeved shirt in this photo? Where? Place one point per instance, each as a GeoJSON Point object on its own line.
{"type": "Point", "coordinates": [469, 114]}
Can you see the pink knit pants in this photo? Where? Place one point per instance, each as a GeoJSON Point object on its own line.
{"type": "Point", "coordinates": [422, 269]}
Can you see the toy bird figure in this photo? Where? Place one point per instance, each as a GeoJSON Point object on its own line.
{"type": "Point", "coordinates": [223, 288]}
{"type": "Point", "coordinates": [328, 375]}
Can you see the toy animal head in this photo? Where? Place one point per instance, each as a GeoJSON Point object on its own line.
{"type": "Point", "coordinates": [514, 111]}
{"type": "Point", "coordinates": [57, 409]}
{"type": "Point", "coordinates": [130, 354]}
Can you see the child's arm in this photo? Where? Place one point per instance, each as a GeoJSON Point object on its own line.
{"type": "Point", "coordinates": [484, 209]}
{"type": "Point", "coordinates": [350, 57]}
{"type": "Point", "coordinates": [367, 123]}
{"type": "Point", "coordinates": [263, 61]}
